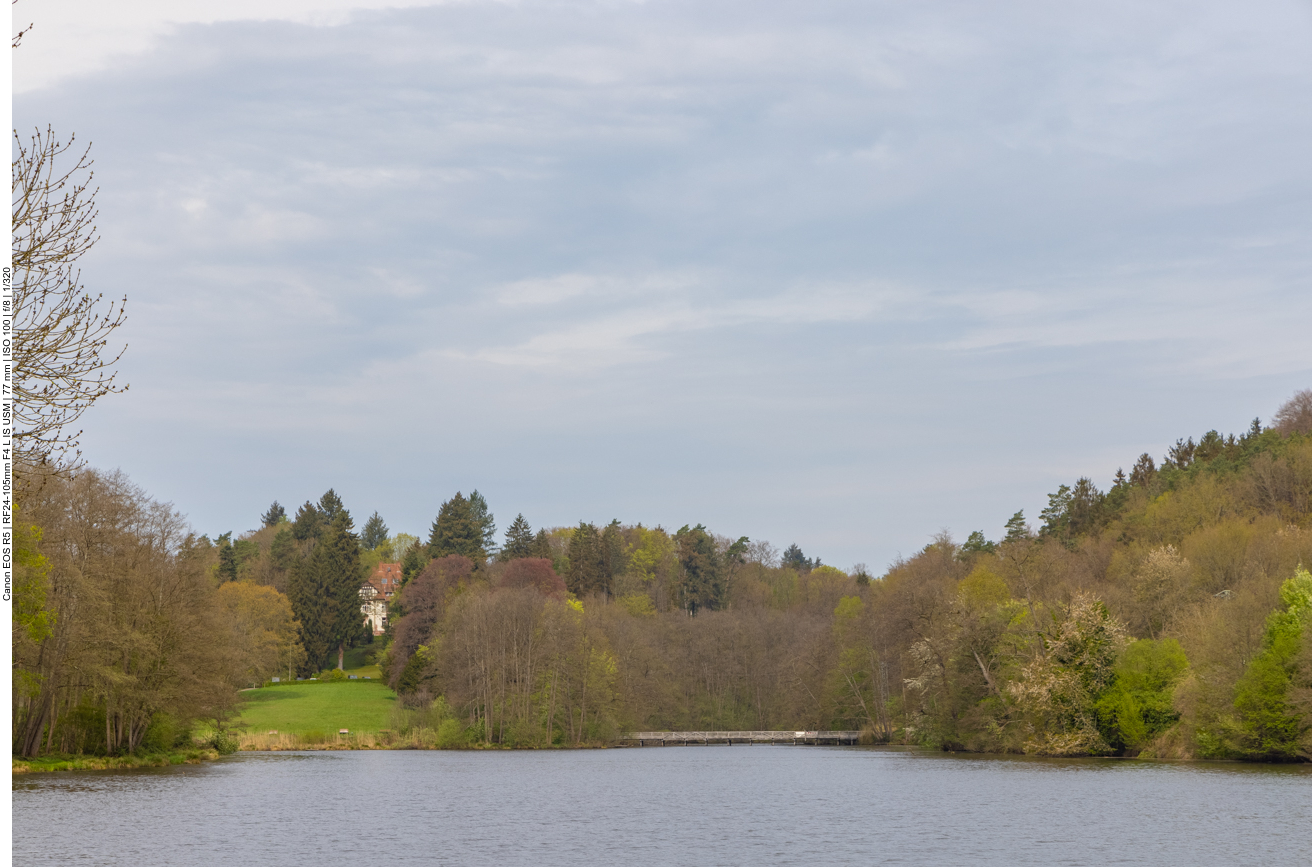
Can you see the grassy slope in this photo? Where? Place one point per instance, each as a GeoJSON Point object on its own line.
{"type": "Point", "coordinates": [297, 708]}
{"type": "Point", "coordinates": [354, 663]}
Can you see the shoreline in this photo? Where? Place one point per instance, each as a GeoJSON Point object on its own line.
{"type": "Point", "coordinates": [56, 764]}
{"type": "Point", "coordinates": [47, 764]}
{"type": "Point", "coordinates": [349, 746]}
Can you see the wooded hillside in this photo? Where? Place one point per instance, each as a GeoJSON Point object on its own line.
{"type": "Point", "coordinates": [1166, 616]}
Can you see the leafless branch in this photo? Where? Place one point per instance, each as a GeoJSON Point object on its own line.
{"type": "Point", "coordinates": [61, 366]}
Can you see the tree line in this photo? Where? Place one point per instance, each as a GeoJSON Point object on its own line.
{"type": "Point", "coordinates": [122, 636]}
{"type": "Point", "coordinates": [1165, 615]}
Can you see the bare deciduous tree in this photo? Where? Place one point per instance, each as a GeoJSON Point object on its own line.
{"type": "Point", "coordinates": [1295, 414]}
{"type": "Point", "coordinates": [17, 38]}
{"type": "Point", "coordinates": [61, 364]}
{"type": "Point", "coordinates": [139, 633]}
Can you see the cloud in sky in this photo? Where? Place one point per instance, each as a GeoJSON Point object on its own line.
{"type": "Point", "coordinates": [836, 273]}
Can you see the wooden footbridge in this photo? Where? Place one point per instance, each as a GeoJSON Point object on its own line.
{"type": "Point", "coordinates": [683, 739]}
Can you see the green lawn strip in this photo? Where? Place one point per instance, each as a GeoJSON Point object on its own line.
{"type": "Point", "coordinates": [355, 657]}
{"type": "Point", "coordinates": [370, 671]}
{"type": "Point", "coordinates": [100, 763]}
{"type": "Point", "coordinates": [356, 662]}
{"type": "Point", "coordinates": [323, 708]}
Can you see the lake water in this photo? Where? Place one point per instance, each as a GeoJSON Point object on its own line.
{"type": "Point", "coordinates": [666, 805]}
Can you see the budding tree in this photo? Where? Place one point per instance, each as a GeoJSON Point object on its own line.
{"type": "Point", "coordinates": [1295, 414]}
{"type": "Point", "coordinates": [61, 364]}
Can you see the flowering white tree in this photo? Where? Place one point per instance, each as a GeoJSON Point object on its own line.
{"type": "Point", "coordinates": [1058, 690]}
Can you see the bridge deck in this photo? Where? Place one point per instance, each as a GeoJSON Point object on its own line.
{"type": "Point", "coordinates": [660, 739]}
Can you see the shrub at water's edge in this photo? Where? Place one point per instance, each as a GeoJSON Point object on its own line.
{"type": "Point", "coordinates": [1270, 719]}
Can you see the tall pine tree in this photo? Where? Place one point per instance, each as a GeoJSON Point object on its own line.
{"type": "Point", "coordinates": [519, 541]}
{"type": "Point", "coordinates": [703, 573]}
{"type": "Point", "coordinates": [227, 558]}
{"type": "Point", "coordinates": [311, 605]}
{"type": "Point", "coordinates": [330, 504]}
{"type": "Point", "coordinates": [456, 530]}
{"type": "Point", "coordinates": [794, 559]}
{"type": "Point", "coordinates": [343, 578]}
{"type": "Point", "coordinates": [323, 586]}
{"type": "Point", "coordinates": [374, 532]}
{"type": "Point", "coordinates": [1017, 529]}
{"type": "Point", "coordinates": [309, 521]}
{"type": "Point", "coordinates": [612, 552]}
{"type": "Point", "coordinates": [542, 545]}
{"type": "Point", "coordinates": [588, 571]}
{"type": "Point", "coordinates": [413, 562]}
{"type": "Point", "coordinates": [275, 514]}
{"type": "Point", "coordinates": [482, 517]}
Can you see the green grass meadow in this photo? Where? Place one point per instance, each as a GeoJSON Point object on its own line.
{"type": "Point", "coordinates": [319, 708]}
{"type": "Point", "coordinates": [357, 662]}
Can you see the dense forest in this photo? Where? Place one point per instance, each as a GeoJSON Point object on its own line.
{"type": "Point", "coordinates": [1161, 617]}
{"type": "Point", "coordinates": [1166, 616]}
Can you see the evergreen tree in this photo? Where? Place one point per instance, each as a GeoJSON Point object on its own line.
{"type": "Point", "coordinates": [542, 545]}
{"type": "Point", "coordinates": [1017, 529]}
{"type": "Point", "coordinates": [586, 573]}
{"type": "Point", "coordinates": [1086, 510]}
{"type": "Point", "coordinates": [311, 605]}
{"type": "Point", "coordinates": [412, 674]}
{"type": "Point", "coordinates": [343, 579]}
{"type": "Point", "coordinates": [703, 573]}
{"type": "Point", "coordinates": [457, 531]}
{"type": "Point", "coordinates": [733, 559]}
{"type": "Point", "coordinates": [1181, 455]}
{"type": "Point", "coordinates": [1073, 511]}
{"type": "Point", "coordinates": [1054, 517]}
{"type": "Point", "coordinates": [330, 505]}
{"type": "Point", "coordinates": [324, 589]}
{"type": "Point", "coordinates": [275, 514]}
{"type": "Point", "coordinates": [1143, 471]}
{"type": "Point", "coordinates": [737, 552]}
{"type": "Point", "coordinates": [612, 553]}
{"type": "Point", "coordinates": [795, 559]}
{"type": "Point", "coordinates": [413, 562]}
{"type": "Point", "coordinates": [227, 558]}
{"type": "Point", "coordinates": [309, 521]}
{"type": "Point", "coordinates": [519, 541]}
{"type": "Point", "coordinates": [282, 550]}
{"type": "Point", "coordinates": [977, 544]}
{"type": "Point", "coordinates": [374, 533]}
{"type": "Point", "coordinates": [478, 511]}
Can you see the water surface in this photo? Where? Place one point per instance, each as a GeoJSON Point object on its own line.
{"type": "Point", "coordinates": [666, 805]}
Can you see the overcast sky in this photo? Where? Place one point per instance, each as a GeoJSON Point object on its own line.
{"type": "Point", "coordinates": [843, 274]}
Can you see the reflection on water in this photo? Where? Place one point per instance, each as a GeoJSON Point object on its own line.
{"type": "Point", "coordinates": [667, 805]}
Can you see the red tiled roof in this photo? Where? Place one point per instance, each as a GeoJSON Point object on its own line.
{"type": "Point", "coordinates": [386, 578]}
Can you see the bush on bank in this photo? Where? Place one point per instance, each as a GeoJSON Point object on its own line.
{"type": "Point", "coordinates": [64, 762]}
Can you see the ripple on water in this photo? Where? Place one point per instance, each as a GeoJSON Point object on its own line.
{"type": "Point", "coordinates": [668, 805]}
